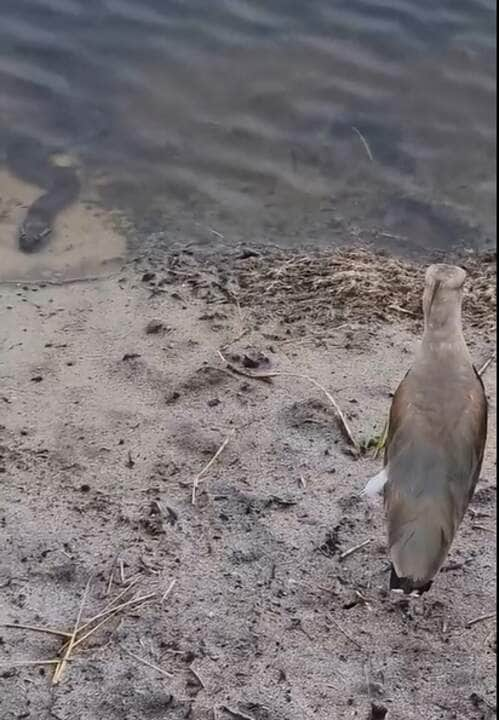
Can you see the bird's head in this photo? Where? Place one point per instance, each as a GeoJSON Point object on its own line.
{"type": "Point", "coordinates": [443, 290]}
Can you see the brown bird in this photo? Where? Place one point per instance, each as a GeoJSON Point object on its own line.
{"type": "Point", "coordinates": [435, 441]}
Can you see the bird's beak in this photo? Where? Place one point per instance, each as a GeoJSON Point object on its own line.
{"type": "Point", "coordinates": [434, 291]}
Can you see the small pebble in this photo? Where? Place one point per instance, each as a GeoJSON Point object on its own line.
{"type": "Point", "coordinates": [154, 326]}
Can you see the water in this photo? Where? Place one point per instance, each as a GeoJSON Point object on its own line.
{"type": "Point", "coordinates": [234, 121]}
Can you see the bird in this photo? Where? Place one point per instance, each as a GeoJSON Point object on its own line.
{"type": "Point", "coordinates": [435, 442]}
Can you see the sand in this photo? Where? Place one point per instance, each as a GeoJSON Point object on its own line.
{"type": "Point", "coordinates": [107, 419]}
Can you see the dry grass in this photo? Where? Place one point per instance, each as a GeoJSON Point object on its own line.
{"type": "Point", "coordinates": [71, 640]}
{"type": "Point", "coordinates": [356, 284]}
{"type": "Point", "coordinates": [330, 287]}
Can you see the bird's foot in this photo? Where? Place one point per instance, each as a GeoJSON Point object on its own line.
{"type": "Point", "coordinates": [411, 605]}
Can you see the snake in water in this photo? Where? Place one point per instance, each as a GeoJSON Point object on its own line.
{"type": "Point", "coordinates": [29, 160]}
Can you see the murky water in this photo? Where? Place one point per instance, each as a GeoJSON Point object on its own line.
{"type": "Point", "coordinates": [234, 121]}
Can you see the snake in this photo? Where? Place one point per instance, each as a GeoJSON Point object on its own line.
{"type": "Point", "coordinates": [32, 162]}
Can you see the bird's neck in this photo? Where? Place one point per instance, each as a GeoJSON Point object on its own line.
{"type": "Point", "coordinates": [443, 331]}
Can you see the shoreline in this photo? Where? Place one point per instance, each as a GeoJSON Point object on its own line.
{"type": "Point", "coordinates": [366, 285]}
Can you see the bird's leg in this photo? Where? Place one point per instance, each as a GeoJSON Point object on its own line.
{"type": "Point", "coordinates": [418, 604]}
{"type": "Point", "coordinates": [382, 441]}
{"type": "Point", "coordinates": [411, 606]}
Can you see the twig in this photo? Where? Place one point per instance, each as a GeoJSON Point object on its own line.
{"type": "Point", "coordinates": [364, 143]}
{"type": "Point", "coordinates": [478, 513]}
{"type": "Point", "coordinates": [35, 628]}
{"type": "Point", "coordinates": [106, 615]}
{"type": "Point", "coordinates": [110, 614]}
{"type": "Point", "coordinates": [76, 637]}
{"type": "Point", "coordinates": [20, 663]}
{"type": "Point", "coordinates": [149, 664]}
{"type": "Point", "coordinates": [403, 238]}
{"type": "Point", "coordinates": [109, 606]}
{"type": "Point", "coordinates": [268, 375]}
{"type": "Point", "coordinates": [382, 441]}
{"type": "Point", "coordinates": [216, 233]}
{"type": "Point", "coordinates": [402, 310]}
{"type": "Point", "coordinates": [196, 675]}
{"type": "Point", "coordinates": [108, 610]}
{"type": "Point", "coordinates": [476, 526]}
{"type": "Point", "coordinates": [445, 626]}
{"type": "Point", "coordinates": [57, 283]}
{"type": "Point", "coordinates": [121, 606]}
{"type": "Point", "coordinates": [238, 337]}
{"type": "Point", "coordinates": [354, 549]}
{"type": "Point", "coordinates": [480, 618]}
{"type": "Point", "coordinates": [110, 579]}
{"type": "Point", "coordinates": [60, 667]}
{"type": "Point", "coordinates": [122, 570]}
{"type": "Point", "coordinates": [168, 590]}
{"type": "Point", "coordinates": [347, 635]}
{"type": "Point", "coordinates": [363, 599]}
{"type": "Point", "coordinates": [486, 364]}
{"type": "Point", "coordinates": [208, 465]}
{"type": "Point", "coordinates": [343, 421]}
{"type": "Point", "coordinates": [237, 713]}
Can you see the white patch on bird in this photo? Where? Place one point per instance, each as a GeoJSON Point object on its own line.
{"type": "Point", "coordinates": [63, 160]}
{"type": "Point", "coordinates": [375, 485]}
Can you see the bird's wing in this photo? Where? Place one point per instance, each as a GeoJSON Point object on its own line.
{"type": "Point", "coordinates": [480, 429]}
{"type": "Point", "coordinates": [434, 452]}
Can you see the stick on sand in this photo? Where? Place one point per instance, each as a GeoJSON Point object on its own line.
{"type": "Point", "coordinates": [60, 667]}
{"type": "Point", "coordinates": [354, 549]}
{"type": "Point", "coordinates": [486, 364]}
{"type": "Point", "coordinates": [341, 417]}
{"type": "Point", "coordinates": [208, 465]}
{"type": "Point", "coordinates": [148, 664]}
{"type": "Point", "coordinates": [269, 375]}
{"type": "Point", "coordinates": [36, 628]}
{"type": "Point", "coordinates": [479, 619]}
{"type": "Point", "coordinates": [344, 632]}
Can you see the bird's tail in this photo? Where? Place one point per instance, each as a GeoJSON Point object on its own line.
{"type": "Point", "coordinates": [420, 531]}
{"type": "Point", "coordinates": [407, 585]}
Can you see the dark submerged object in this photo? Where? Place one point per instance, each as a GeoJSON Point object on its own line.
{"type": "Point", "coordinates": [30, 161]}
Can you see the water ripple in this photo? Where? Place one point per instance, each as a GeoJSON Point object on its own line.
{"type": "Point", "coordinates": [253, 105]}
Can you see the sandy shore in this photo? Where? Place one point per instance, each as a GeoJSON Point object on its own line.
{"type": "Point", "coordinates": [84, 241]}
{"type": "Point", "coordinates": [114, 396]}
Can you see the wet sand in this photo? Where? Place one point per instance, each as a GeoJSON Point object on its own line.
{"type": "Point", "coordinates": [114, 397]}
{"type": "Point", "coordinates": [83, 242]}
